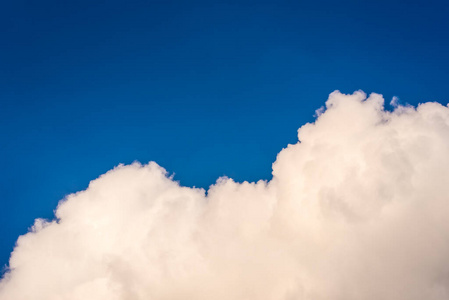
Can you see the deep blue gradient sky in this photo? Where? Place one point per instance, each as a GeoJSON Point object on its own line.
{"type": "Point", "coordinates": [203, 88]}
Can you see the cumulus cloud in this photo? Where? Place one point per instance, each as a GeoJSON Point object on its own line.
{"type": "Point", "coordinates": [357, 209]}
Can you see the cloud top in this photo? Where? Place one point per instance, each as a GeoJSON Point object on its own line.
{"type": "Point", "coordinates": [357, 209]}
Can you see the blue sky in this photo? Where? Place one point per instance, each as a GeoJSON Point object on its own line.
{"type": "Point", "coordinates": [203, 88]}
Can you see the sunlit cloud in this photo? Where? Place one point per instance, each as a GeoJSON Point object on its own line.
{"type": "Point", "coordinates": [357, 209]}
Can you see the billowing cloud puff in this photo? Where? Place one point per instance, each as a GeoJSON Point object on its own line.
{"type": "Point", "coordinates": [357, 209]}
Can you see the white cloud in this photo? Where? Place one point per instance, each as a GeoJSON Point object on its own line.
{"type": "Point", "coordinates": [358, 209]}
